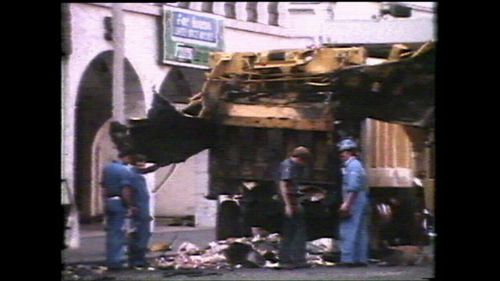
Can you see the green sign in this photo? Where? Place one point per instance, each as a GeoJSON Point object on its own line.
{"type": "Point", "coordinates": [189, 37]}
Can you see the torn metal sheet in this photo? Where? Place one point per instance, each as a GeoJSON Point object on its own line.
{"type": "Point", "coordinates": [400, 91]}
{"type": "Point", "coordinates": [167, 136]}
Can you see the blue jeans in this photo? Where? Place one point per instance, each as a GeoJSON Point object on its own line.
{"type": "Point", "coordinates": [293, 240]}
{"type": "Point", "coordinates": [354, 237]}
{"type": "Point", "coordinates": [138, 241]}
{"type": "Point", "coordinates": [115, 232]}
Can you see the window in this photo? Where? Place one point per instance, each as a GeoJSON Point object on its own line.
{"type": "Point", "coordinates": [207, 7]}
{"type": "Point", "coordinates": [252, 11]}
{"type": "Point", "coordinates": [184, 5]}
{"type": "Point", "coordinates": [230, 10]}
{"type": "Point", "coordinates": [273, 13]}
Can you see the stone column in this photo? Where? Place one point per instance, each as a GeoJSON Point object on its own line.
{"type": "Point", "coordinates": [196, 6]}
{"type": "Point", "coordinates": [263, 13]}
{"type": "Point", "coordinates": [241, 11]}
{"type": "Point", "coordinates": [219, 8]}
{"type": "Point", "coordinates": [118, 63]}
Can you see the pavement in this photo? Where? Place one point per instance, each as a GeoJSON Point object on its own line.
{"type": "Point", "coordinates": [92, 252]}
{"type": "Point", "coordinates": [92, 244]}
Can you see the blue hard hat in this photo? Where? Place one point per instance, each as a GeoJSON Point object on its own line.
{"type": "Point", "coordinates": [347, 144]}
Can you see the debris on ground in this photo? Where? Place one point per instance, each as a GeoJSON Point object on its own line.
{"type": "Point", "coordinates": [189, 249]}
{"type": "Point", "coordinates": [249, 252]}
{"type": "Point", "coordinates": [85, 273]}
{"type": "Point", "coordinates": [232, 253]}
{"type": "Point", "coordinates": [405, 255]}
{"type": "Point", "coordinates": [323, 252]}
{"type": "Point", "coordinates": [160, 247]}
{"type": "Point", "coordinates": [321, 245]}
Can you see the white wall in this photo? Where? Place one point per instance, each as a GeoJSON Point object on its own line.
{"type": "Point", "coordinates": [87, 43]}
{"type": "Point", "coordinates": [246, 41]}
{"type": "Point", "coordinates": [176, 196]}
{"type": "Point", "coordinates": [358, 23]}
{"type": "Point", "coordinates": [355, 10]}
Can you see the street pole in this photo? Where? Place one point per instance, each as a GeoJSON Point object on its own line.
{"type": "Point", "coordinates": [118, 63]}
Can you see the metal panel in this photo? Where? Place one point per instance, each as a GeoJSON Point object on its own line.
{"type": "Point", "coordinates": [390, 155]}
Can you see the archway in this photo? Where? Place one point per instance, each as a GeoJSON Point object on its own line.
{"type": "Point", "coordinates": [92, 143]}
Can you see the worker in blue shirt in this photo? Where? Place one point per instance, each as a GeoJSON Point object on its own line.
{"type": "Point", "coordinates": [139, 239]}
{"type": "Point", "coordinates": [292, 252]}
{"type": "Point", "coordinates": [117, 189]}
{"type": "Point", "coordinates": [354, 211]}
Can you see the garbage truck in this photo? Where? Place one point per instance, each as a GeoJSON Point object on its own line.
{"type": "Point", "coordinates": [255, 107]}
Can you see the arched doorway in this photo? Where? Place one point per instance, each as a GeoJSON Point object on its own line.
{"type": "Point", "coordinates": [93, 147]}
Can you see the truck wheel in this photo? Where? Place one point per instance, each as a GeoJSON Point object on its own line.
{"type": "Point", "coordinates": [228, 220]}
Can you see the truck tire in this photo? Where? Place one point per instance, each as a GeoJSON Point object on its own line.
{"type": "Point", "coordinates": [228, 220]}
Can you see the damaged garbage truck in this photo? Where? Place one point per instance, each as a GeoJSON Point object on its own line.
{"type": "Point", "coordinates": [254, 108]}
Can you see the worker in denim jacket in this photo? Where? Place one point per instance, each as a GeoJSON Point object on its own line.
{"type": "Point", "coordinates": [117, 191]}
{"type": "Point", "coordinates": [354, 211]}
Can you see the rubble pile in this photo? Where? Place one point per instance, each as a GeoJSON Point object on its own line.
{"type": "Point", "coordinates": [190, 256]}
{"type": "Point", "coordinates": [248, 252]}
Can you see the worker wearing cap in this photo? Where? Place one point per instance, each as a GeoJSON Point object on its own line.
{"type": "Point", "coordinates": [354, 211]}
{"type": "Point", "coordinates": [292, 253]}
{"type": "Point", "coordinates": [118, 192]}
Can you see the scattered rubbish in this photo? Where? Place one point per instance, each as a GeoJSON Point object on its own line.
{"type": "Point", "coordinates": [320, 246]}
{"type": "Point", "coordinates": [275, 237]}
{"type": "Point", "coordinates": [405, 255]}
{"type": "Point", "coordinates": [160, 247]}
{"type": "Point", "coordinates": [238, 252]}
{"type": "Point", "coordinates": [323, 263]}
{"type": "Point", "coordinates": [188, 248]}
